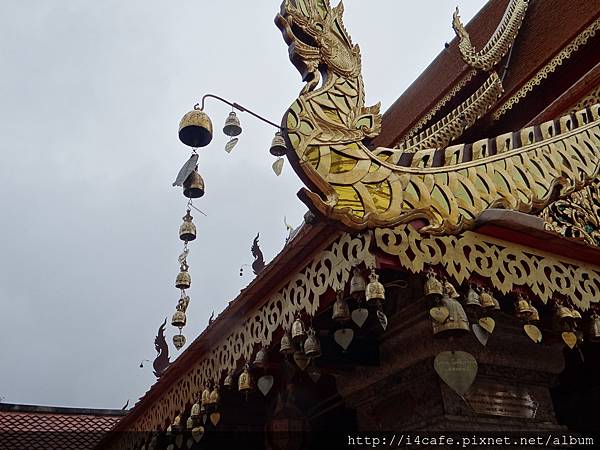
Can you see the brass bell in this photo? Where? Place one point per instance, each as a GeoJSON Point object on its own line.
{"type": "Point", "coordinates": [178, 320]}
{"type": "Point", "coordinates": [244, 383]}
{"type": "Point", "coordinates": [206, 397]}
{"type": "Point", "coordinates": [187, 230]}
{"type": "Point", "coordinates": [562, 314]}
{"type": "Point", "coordinates": [232, 125]}
{"type": "Point", "coordinates": [535, 314]}
{"type": "Point", "coordinates": [261, 358]}
{"type": "Point", "coordinates": [522, 308]}
{"type": "Point", "coordinates": [176, 425]}
{"type": "Point", "coordinates": [178, 341]}
{"type": "Point", "coordinates": [473, 298]}
{"type": "Point", "coordinates": [433, 288]}
{"type": "Point", "coordinates": [450, 290]}
{"type": "Point", "coordinates": [214, 395]}
{"type": "Point", "coordinates": [195, 411]}
{"type": "Point", "coordinates": [486, 300]}
{"type": "Point", "coordinates": [183, 280]}
{"type": "Point", "coordinates": [575, 314]}
{"type": "Point", "coordinates": [228, 380]}
{"type": "Point", "coordinates": [190, 423]}
{"type": "Point", "coordinates": [341, 311]}
{"type": "Point", "coordinates": [312, 346]}
{"type": "Point", "coordinates": [298, 333]}
{"type": "Point", "coordinates": [358, 284]}
{"type": "Point", "coordinates": [286, 344]}
{"type": "Point", "coordinates": [374, 292]}
{"type": "Point", "coordinates": [456, 322]}
{"type": "Point", "coordinates": [593, 328]}
{"type": "Point", "coordinates": [195, 128]}
{"type": "Point", "coordinates": [278, 147]}
{"type": "Point", "coordinates": [193, 186]}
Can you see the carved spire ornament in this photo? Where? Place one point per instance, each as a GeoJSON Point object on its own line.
{"type": "Point", "coordinates": [327, 131]}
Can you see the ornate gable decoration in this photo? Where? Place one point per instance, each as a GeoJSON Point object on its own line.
{"type": "Point", "coordinates": [328, 129]}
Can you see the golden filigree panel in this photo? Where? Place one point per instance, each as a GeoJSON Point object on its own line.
{"type": "Point", "coordinates": [505, 264]}
{"type": "Point", "coordinates": [330, 269]}
{"type": "Point", "coordinates": [500, 42]}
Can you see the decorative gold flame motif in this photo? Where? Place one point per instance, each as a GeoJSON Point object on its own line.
{"type": "Point", "coordinates": [328, 127]}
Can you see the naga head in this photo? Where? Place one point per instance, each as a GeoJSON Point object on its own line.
{"type": "Point", "coordinates": [316, 37]}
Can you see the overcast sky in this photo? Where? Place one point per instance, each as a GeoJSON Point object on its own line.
{"type": "Point", "coordinates": [91, 94]}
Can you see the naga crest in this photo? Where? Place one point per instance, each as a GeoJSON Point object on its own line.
{"type": "Point", "coordinates": [328, 130]}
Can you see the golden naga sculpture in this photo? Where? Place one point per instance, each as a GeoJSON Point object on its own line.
{"type": "Point", "coordinates": [328, 131]}
{"type": "Point", "coordinates": [500, 42]}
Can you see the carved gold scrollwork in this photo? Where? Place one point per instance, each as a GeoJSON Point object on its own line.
{"type": "Point", "coordinates": [500, 42]}
{"type": "Point", "coordinates": [507, 265]}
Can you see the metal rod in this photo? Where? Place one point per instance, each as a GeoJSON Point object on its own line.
{"type": "Point", "coordinates": [238, 107]}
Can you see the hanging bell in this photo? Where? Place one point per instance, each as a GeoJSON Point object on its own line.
{"type": "Point", "coordinates": [278, 147]}
{"type": "Point", "coordinates": [206, 397]}
{"type": "Point", "coordinates": [228, 380]}
{"type": "Point", "coordinates": [183, 280]}
{"type": "Point", "coordinates": [473, 298]}
{"type": "Point", "coordinates": [187, 230]}
{"type": "Point", "coordinates": [576, 315]}
{"type": "Point", "coordinates": [298, 333]}
{"type": "Point", "coordinates": [232, 125]}
{"type": "Point", "coordinates": [456, 323]}
{"type": "Point", "coordinates": [374, 292]}
{"type": "Point", "coordinates": [433, 288]}
{"type": "Point", "coordinates": [176, 425]}
{"type": "Point", "coordinates": [486, 300]}
{"type": "Point", "coordinates": [286, 346]}
{"type": "Point", "coordinates": [261, 358]}
{"type": "Point", "coordinates": [341, 311]}
{"type": "Point", "coordinates": [312, 347]}
{"type": "Point", "coordinates": [358, 284]}
{"type": "Point", "coordinates": [535, 314]}
{"type": "Point", "coordinates": [522, 308]}
{"type": "Point", "coordinates": [190, 423]}
{"type": "Point", "coordinates": [193, 186]}
{"type": "Point", "coordinates": [593, 328]}
{"type": "Point", "coordinates": [178, 341]}
{"type": "Point", "coordinates": [195, 411]}
{"type": "Point", "coordinates": [450, 290]}
{"type": "Point", "coordinates": [214, 395]}
{"type": "Point", "coordinates": [195, 128]}
{"type": "Point", "coordinates": [244, 383]}
{"type": "Point", "coordinates": [562, 314]}
{"type": "Point", "coordinates": [178, 320]}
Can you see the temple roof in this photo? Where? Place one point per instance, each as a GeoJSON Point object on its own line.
{"type": "Point", "coordinates": [50, 427]}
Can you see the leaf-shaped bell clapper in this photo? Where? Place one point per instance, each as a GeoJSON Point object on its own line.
{"type": "Point", "coordinates": [522, 308]}
{"type": "Point", "coordinates": [183, 280]}
{"type": "Point", "coordinates": [592, 331]}
{"type": "Point", "coordinates": [298, 333]}
{"type": "Point", "coordinates": [187, 230]}
{"type": "Point", "coordinates": [472, 298]}
{"type": "Point", "coordinates": [486, 300]}
{"type": "Point", "coordinates": [178, 320]}
{"type": "Point", "coordinates": [195, 128]}
{"type": "Point", "coordinates": [232, 125]}
{"type": "Point", "coordinates": [260, 360]}
{"type": "Point", "coordinates": [312, 346]}
{"type": "Point", "coordinates": [244, 381]}
{"type": "Point", "coordinates": [456, 322]}
{"type": "Point", "coordinates": [178, 341]}
{"type": "Point", "coordinates": [278, 147]}
{"type": "Point", "coordinates": [374, 292]}
{"type": "Point", "coordinates": [286, 346]}
{"type": "Point", "coordinates": [193, 186]}
{"type": "Point", "coordinates": [433, 288]}
{"type": "Point", "coordinates": [358, 284]}
{"type": "Point", "coordinates": [341, 310]}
